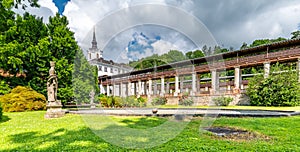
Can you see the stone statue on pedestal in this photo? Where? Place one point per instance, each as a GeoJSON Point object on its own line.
{"type": "Point", "coordinates": [52, 84]}
{"type": "Point", "coordinates": [54, 106]}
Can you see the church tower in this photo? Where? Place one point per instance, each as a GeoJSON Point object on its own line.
{"type": "Point", "coordinates": [94, 52]}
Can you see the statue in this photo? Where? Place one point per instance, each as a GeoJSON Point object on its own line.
{"type": "Point", "coordinates": [52, 84]}
{"type": "Point", "coordinates": [54, 106]}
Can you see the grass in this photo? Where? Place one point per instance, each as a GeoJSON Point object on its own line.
{"type": "Point", "coordinates": [236, 107]}
{"type": "Point", "coordinates": [29, 131]}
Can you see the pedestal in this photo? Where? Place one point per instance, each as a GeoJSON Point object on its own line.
{"type": "Point", "coordinates": [54, 110]}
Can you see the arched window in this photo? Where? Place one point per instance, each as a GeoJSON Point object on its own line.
{"type": "Point", "coordinates": [90, 56]}
{"type": "Point", "coordinates": [97, 56]}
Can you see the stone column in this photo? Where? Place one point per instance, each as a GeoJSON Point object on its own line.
{"type": "Point", "coordinates": [134, 88]}
{"type": "Point", "coordinates": [215, 81]}
{"type": "Point", "coordinates": [176, 86]}
{"type": "Point", "coordinates": [198, 83]}
{"type": "Point", "coordinates": [139, 88]}
{"type": "Point", "coordinates": [181, 84]}
{"type": "Point", "coordinates": [150, 87]}
{"type": "Point", "coordinates": [162, 86]}
{"type": "Point", "coordinates": [129, 89]}
{"type": "Point", "coordinates": [155, 87]}
{"type": "Point", "coordinates": [121, 90]}
{"type": "Point", "coordinates": [266, 69]}
{"type": "Point", "coordinates": [194, 87]}
{"type": "Point", "coordinates": [145, 87]}
{"type": "Point", "coordinates": [168, 86]}
{"type": "Point", "coordinates": [107, 90]}
{"type": "Point", "coordinates": [237, 79]}
{"type": "Point", "coordinates": [113, 89]}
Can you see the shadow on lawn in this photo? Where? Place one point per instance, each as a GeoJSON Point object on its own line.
{"type": "Point", "coordinates": [144, 122]}
{"type": "Point", "coordinates": [59, 140]}
{"type": "Point", "coordinates": [4, 119]}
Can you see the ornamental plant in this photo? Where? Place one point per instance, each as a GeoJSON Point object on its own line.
{"type": "Point", "coordinates": [281, 88]}
{"type": "Point", "coordinates": [23, 99]}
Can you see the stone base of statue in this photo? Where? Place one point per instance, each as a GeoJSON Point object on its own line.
{"type": "Point", "coordinates": [54, 110]}
{"type": "Point", "coordinates": [93, 105]}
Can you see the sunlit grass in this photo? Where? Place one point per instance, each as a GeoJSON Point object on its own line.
{"type": "Point", "coordinates": [29, 131]}
{"type": "Point", "coordinates": [235, 107]}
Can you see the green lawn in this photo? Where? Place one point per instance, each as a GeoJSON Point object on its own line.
{"type": "Point", "coordinates": [29, 131]}
{"type": "Point", "coordinates": [236, 107]}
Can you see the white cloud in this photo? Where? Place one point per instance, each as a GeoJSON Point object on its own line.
{"type": "Point", "coordinates": [47, 8]}
{"type": "Point", "coordinates": [160, 47]}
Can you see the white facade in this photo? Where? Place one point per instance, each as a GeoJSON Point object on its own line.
{"type": "Point", "coordinates": [105, 67]}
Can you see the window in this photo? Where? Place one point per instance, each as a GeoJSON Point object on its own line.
{"type": "Point", "coordinates": [90, 56]}
{"type": "Point", "coordinates": [105, 69]}
{"type": "Point", "coordinates": [111, 70]}
{"type": "Point", "coordinates": [99, 68]}
{"type": "Point", "coordinates": [97, 56]}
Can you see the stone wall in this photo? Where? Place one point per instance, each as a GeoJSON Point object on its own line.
{"type": "Point", "coordinates": [206, 100]}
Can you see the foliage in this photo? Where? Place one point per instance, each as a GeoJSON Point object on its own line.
{"type": "Point", "coordinates": [295, 34]}
{"type": "Point", "coordinates": [1, 111]}
{"type": "Point", "coordinates": [156, 60]}
{"type": "Point", "coordinates": [84, 79]}
{"type": "Point", "coordinates": [279, 89]}
{"type": "Point", "coordinates": [159, 101]}
{"type": "Point", "coordinates": [186, 102]}
{"type": "Point", "coordinates": [4, 88]}
{"type": "Point", "coordinates": [265, 41]}
{"type": "Point", "coordinates": [120, 102]}
{"type": "Point", "coordinates": [28, 45]}
{"type": "Point", "coordinates": [23, 99]}
{"type": "Point", "coordinates": [222, 101]}
{"type": "Point", "coordinates": [194, 54]}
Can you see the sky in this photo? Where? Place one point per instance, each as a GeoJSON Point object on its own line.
{"type": "Point", "coordinates": [131, 29]}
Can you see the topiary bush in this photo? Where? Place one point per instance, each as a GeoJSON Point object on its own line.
{"type": "Point", "coordinates": [222, 101]}
{"type": "Point", "coordinates": [23, 99]}
{"type": "Point", "coordinates": [159, 101]}
{"type": "Point", "coordinates": [279, 89]}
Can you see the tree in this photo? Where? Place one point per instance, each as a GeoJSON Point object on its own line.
{"type": "Point", "coordinates": [295, 34]}
{"type": "Point", "coordinates": [63, 48]}
{"type": "Point", "coordinates": [279, 89]}
{"type": "Point", "coordinates": [84, 78]}
{"type": "Point", "coordinates": [194, 54]}
{"type": "Point", "coordinates": [244, 46]}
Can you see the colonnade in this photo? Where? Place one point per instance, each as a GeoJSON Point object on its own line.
{"type": "Point", "coordinates": [153, 87]}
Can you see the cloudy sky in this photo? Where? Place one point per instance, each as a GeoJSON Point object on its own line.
{"type": "Point", "coordinates": [132, 29]}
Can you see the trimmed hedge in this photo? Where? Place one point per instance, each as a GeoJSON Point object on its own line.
{"type": "Point", "coordinates": [23, 99]}
{"type": "Point", "coordinates": [118, 102]}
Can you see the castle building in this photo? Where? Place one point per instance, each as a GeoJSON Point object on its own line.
{"type": "Point", "coordinates": [105, 67]}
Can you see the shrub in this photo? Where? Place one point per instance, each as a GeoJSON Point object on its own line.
{"type": "Point", "coordinates": [186, 101]}
{"type": "Point", "coordinates": [159, 101]}
{"type": "Point", "coordinates": [0, 111]}
{"type": "Point", "coordinates": [222, 101]}
{"type": "Point", "coordinates": [103, 101]}
{"type": "Point", "coordinates": [23, 99]}
{"type": "Point", "coordinates": [4, 88]}
{"type": "Point", "coordinates": [118, 102]}
{"type": "Point", "coordinates": [141, 101]}
{"type": "Point", "coordinates": [279, 89]}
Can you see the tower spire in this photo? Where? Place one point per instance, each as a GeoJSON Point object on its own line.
{"type": "Point", "coordinates": [94, 42]}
